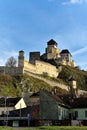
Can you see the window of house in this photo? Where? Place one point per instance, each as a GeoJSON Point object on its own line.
{"type": "Point", "coordinates": [76, 114]}
{"type": "Point", "coordinates": [59, 111]}
{"type": "Point", "coordinates": [85, 113]}
{"type": "Point", "coordinates": [64, 112]}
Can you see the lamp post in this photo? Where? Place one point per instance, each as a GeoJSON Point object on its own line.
{"type": "Point", "coordinates": [28, 116]}
{"type": "Point", "coordinates": [20, 110]}
{"type": "Point", "coordinates": [5, 112]}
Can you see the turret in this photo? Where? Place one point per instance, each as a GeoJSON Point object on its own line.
{"type": "Point", "coordinates": [50, 46]}
{"type": "Point", "coordinates": [34, 56]}
{"type": "Point", "coordinates": [72, 85]}
{"type": "Point", "coordinates": [21, 59]}
{"type": "Point", "coordinates": [52, 52]}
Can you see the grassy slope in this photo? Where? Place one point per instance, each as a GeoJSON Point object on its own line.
{"type": "Point", "coordinates": [79, 75]}
{"type": "Point", "coordinates": [63, 128]}
{"type": "Point", "coordinates": [67, 71]}
{"type": "Point", "coordinates": [10, 86]}
{"type": "Point", "coordinates": [49, 128]}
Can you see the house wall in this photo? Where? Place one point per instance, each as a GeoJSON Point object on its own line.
{"type": "Point", "coordinates": [5, 109]}
{"type": "Point", "coordinates": [64, 113]}
{"type": "Point", "coordinates": [50, 108]}
{"type": "Point", "coordinates": [81, 113]}
{"type": "Point", "coordinates": [34, 100]}
{"type": "Point", "coordinates": [20, 104]}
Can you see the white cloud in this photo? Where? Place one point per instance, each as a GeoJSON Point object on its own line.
{"type": "Point", "coordinates": [82, 50]}
{"type": "Point", "coordinates": [74, 2]}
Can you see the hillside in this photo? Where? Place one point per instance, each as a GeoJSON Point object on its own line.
{"type": "Point", "coordinates": [14, 86]}
{"type": "Point", "coordinates": [79, 75]}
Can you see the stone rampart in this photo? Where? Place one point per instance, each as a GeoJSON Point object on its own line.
{"type": "Point", "coordinates": [46, 69]}
{"type": "Point", "coordinates": [29, 67]}
{"type": "Point", "coordinates": [41, 68]}
{"type": "Point", "coordinates": [11, 70]}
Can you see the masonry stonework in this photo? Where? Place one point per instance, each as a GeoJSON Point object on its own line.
{"type": "Point", "coordinates": [53, 52]}
{"type": "Point", "coordinates": [38, 67]}
{"type": "Point", "coordinates": [41, 68]}
{"type": "Point", "coordinates": [36, 62]}
{"type": "Point", "coordinates": [11, 70]}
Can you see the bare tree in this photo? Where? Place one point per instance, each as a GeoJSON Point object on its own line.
{"type": "Point", "coordinates": [11, 62]}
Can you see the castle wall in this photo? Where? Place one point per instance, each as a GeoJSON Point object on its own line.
{"type": "Point", "coordinates": [11, 70]}
{"type": "Point", "coordinates": [38, 68]}
{"type": "Point", "coordinates": [29, 67]}
{"type": "Point", "coordinates": [46, 68]}
{"type": "Point", "coordinates": [41, 68]}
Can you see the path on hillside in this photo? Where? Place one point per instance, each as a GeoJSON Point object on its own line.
{"type": "Point", "coordinates": [51, 83]}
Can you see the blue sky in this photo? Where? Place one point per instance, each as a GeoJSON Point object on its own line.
{"type": "Point", "coordinates": [28, 25]}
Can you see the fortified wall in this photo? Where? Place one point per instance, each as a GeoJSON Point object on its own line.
{"type": "Point", "coordinates": [36, 66]}
{"type": "Point", "coordinates": [11, 70]}
{"type": "Point", "coordinates": [41, 67]}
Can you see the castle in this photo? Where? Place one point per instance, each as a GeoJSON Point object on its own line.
{"type": "Point", "coordinates": [37, 64]}
{"type": "Point", "coordinates": [53, 52]}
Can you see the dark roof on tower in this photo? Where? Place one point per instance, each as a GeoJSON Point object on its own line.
{"type": "Point", "coordinates": [65, 51]}
{"type": "Point", "coordinates": [52, 42]}
{"type": "Point", "coordinates": [21, 51]}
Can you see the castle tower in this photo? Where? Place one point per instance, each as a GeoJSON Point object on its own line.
{"type": "Point", "coordinates": [52, 51]}
{"type": "Point", "coordinates": [65, 54]}
{"type": "Point", "coordinates": [34, 56]}
{"type": "Point", "coordinates": [21, 59]}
